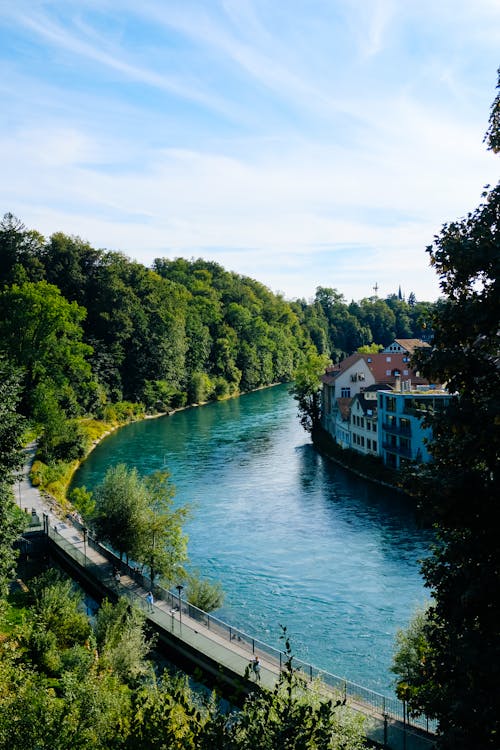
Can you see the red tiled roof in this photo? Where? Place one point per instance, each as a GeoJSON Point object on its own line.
{"type": "Point", "coordinates": [382, 370]}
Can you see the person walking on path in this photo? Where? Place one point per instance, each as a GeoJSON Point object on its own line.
{"type": "Point", "coordinates": [256, 668]}
{"type": "Point", "coordinates": [150, 600]}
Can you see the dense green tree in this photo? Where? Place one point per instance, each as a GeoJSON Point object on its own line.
{"type": "Point", "coordinates": [20, 249]}
{"type": "Point", "coordinates": [71, 264]}
{"type": "Point", "coordinates": [345, 331]}
{"type": "Point", "coordinates": [459, 490]}
{"type": "Point", "coordinates": [203, 593]}
{"type": "Point", "coordinates": [163, 545]}
{"type": "Point", "coordinates": [54, 691]}
{"type": "Point", "coordinates": [42, 334]}
{"type": "Point", "coordinates": [306, 389]}
{"type": "Point", "coordinates": [376, 315]}
{"type": "Point", "coordinates": [120, 507]}
{"type": "Point", "coordinates": [11, 461]}
{"type": "Point", "coordinates": [137, 517]}
{"type": "Point", "coordinates": [57, 625]}
{"type": "Point", "coordinates": [410, 657]}
{"type": "Point", "coordinates": [370, 349]}
{"type": "Point", "coordinates": [401, 310]}
{"type": "Point", "coordinates": [121, 643]}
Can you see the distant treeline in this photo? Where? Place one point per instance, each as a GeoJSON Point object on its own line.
{"type": "Point", "coordinates": [87, 327]}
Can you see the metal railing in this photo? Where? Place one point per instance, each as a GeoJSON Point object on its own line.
{"type": "Point", "coordinates": [382, 708]}
{"type": "Point", "coordinates": [395, 429]}
{"type": "Point", "coordinates": [397, 449]}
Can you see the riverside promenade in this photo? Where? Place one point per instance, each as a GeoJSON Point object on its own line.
{"type": "Point", "coordinates": [195, 639]}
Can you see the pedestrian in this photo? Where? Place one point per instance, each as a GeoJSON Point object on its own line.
{"type": "Point", "coordinates": [117, 576]}
{"type": "Point", "coordinates": [256, 668]}
{"type": "Point", "coordinates": [150, 600]}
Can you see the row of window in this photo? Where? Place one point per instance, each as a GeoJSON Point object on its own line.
{"type": "Point", "coordinates": [360, 440]}
{"type": "Point", "coordinates": [360, 422]}
{"type": "Point", "coordinates": [388, 359]}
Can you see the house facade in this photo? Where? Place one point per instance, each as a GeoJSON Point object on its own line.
{"type": "Point", "coordinates": [363, 421]}
{"type": "Point", "coordinates": [401, 435]}
{"type": "Point", "coordinates": [352, 403]}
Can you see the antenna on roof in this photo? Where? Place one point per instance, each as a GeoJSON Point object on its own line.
{"type": "Point", "coordinates": [375, 288]}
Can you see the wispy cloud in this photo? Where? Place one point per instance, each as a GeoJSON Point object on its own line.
{"type": "Point", "coordinates": [299, 147]}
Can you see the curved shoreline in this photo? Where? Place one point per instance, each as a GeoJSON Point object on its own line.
{"type": "Point", "coordinates": [114, 428]}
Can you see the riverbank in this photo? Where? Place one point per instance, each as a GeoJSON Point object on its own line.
{"type": "Point", "coordinates": [55, 479]}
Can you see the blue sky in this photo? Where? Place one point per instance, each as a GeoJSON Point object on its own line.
{"type": "Point", "coordinates": [303, 143]}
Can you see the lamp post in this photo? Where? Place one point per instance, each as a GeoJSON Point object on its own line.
{"type": "Point", "coordinates": [19, 480]}
{"type": "Point", "coordinates": [179, 588]}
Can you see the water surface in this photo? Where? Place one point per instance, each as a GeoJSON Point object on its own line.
{"type": "Point", "coordinates": [293, 538]}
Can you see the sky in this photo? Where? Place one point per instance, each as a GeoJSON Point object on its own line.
{"type": "Point", "coordinates": [303, 143]}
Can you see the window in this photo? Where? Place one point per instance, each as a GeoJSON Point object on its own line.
{"type": "Point", "coordinates": [390, 403]}
{"type": "Point", "coordinates": [374, 445]}
{"type": "Point", "coordinates": [362, 422]}
{"type": "Point", "coordinates": [387, 359]}
{"type": "Point", "coordinates": [387, 372]}
{"type": "Point", "coordinates": [405, 372]}
{"type": "Point", "coordinates": [368, 444]}
{"type": "Point", "coordinates": [345, 392]}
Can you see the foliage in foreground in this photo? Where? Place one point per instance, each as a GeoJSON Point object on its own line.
{"type": "Point", "coordinates": [457, 683]}
{"type": "Point", "coordinates": [11, 459]}
{"type": "Point", "coordinates": [65, 682]}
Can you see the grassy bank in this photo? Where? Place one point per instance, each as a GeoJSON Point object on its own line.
{"type": "Point", "coordinates": [54, 476]}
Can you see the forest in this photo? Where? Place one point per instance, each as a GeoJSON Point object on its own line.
{"type": "Point", "coordinates": [89, 328]}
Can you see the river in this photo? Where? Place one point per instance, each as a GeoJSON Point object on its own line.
{"type": "Point", "coordinates": [293, 538]}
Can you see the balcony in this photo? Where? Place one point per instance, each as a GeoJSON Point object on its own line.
{"type": "Point", "coordinates": [397, 450]}
{"type": "Point", "coordinates": [394, 429]}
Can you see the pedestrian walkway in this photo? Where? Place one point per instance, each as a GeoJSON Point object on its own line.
{"type": "Point", "coordinates": [189, 628]}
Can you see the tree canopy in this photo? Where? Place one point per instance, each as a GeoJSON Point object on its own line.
{"type": "Point", "coordinates": [458, 491]}
{"type": "Point", "coordinates": [136, 517]}
{"type": "Point", "coordinates": [11, 461]}
{"type": "Point", "coordinates": [97, 327]}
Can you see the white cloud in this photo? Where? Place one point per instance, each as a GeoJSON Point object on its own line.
{"type": "Point", "coordinates": [265, 142]}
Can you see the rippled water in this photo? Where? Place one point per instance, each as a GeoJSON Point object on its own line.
{"type": "Point", "coordinates": [294, 539]}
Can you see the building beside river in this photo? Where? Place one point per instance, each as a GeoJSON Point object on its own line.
{"type": "Point", "coordinates": [375, 403]}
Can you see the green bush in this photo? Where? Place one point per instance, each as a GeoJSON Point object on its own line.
{"type": "Point", "coordinates": [204, 594]}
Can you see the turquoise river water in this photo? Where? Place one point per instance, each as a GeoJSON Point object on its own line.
{"type": "Point", "coordinates": [293, 538]}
